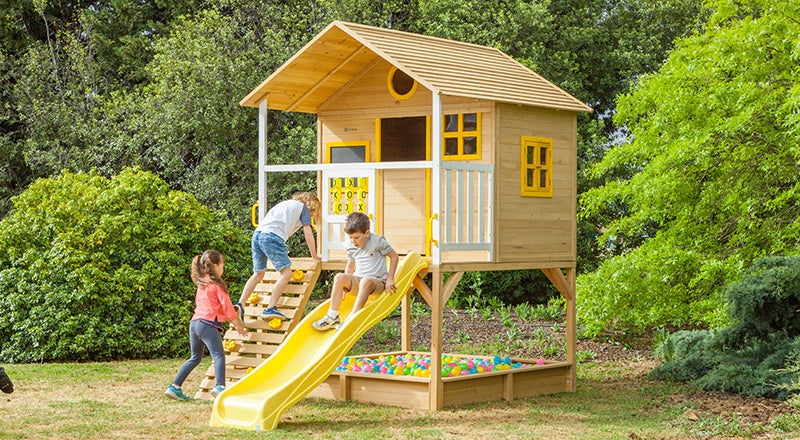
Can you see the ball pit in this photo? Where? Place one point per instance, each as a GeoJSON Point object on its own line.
{"type": "Point", "coordinates": [418, 365]}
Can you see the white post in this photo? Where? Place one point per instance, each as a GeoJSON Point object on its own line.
{"type": "Point", "coordinates": [436, 176]}
{"type": "Point", "coordinates": [262, 159]}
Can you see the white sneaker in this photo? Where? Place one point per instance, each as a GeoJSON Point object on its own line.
{"type": "Point", "coordinates": [326, 323]}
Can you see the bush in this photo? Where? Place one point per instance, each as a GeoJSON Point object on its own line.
{"type": "Point", "coordinates": [754, 355]}
{"type": "Point", "coordinates": [510, 287]}
{"type": "Point", "coordinates": [95, 268]}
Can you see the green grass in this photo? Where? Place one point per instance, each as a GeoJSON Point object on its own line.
{"type": "Point", "coordinates": [124, 400]}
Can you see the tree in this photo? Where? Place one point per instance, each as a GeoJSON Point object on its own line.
{"type": "Point", "coordinates": [713, 154]}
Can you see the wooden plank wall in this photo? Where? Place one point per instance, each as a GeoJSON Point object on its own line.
{"type": "Point", "coordinates": [535, 228]}
{"type": "Point", "coordinates": [351, 117]}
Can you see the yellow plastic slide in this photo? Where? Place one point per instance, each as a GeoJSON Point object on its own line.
{"type": "Point", "coordinates": [306, 358]}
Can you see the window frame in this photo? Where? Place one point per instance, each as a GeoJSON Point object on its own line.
{"type": "Point", "coordinates": [460, 135]}
{"type": "Point", "coordinates": [536, 190]}
{"type": "Point", "coordinates": [390, 84]}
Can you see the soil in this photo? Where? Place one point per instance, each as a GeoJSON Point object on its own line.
{"type": "Point", "coordinates": [463, 330]}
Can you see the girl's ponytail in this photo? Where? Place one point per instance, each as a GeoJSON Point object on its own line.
{"type": "Point", "coordinates": [205, 264]}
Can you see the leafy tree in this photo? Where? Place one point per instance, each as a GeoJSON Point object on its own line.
{"type": "Point", "coordinates": [96, 268]}
{"type": "Point", "coordinates": [713, 156]}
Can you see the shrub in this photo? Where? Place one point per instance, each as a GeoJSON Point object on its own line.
{"type": "Point", "coordinates": [96, 268]}
{"type": "Point", "coordinates": [753, 355]}
{"type": "Point", "coordinates": [509, 287]}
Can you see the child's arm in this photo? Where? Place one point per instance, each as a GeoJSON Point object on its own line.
{"type": "Point", "coordinates": [390, 287]}
{"type": "Point", "coordinates": [350, 267]}
{"type": "Point", "coordinates": [230, 313]}
{"type": "Point", "coordinates": [308, 233]}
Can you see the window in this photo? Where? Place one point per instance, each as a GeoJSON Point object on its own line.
{"type": "Point", "coordinates": [401, 86]}
{"type": "Point", "coordinates": [344, 152]}
{"type": "Point", "coordinates": [537, 167]}
{"type": "Point", "coordinates": [461, 136]}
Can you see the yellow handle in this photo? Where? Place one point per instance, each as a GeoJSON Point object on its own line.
{"type": "Point", "coordinates": [253, 215]}
{"type": "Point", "coordinates": [430, 229]}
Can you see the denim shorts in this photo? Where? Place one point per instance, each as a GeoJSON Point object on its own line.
{"type": "Point", "coordinates": [269, 246]}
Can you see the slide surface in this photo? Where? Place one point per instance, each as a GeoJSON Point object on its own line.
{"type": "Point", "coordinates": [306, 358]}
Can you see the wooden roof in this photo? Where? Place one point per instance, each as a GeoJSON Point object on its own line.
{"type": "Point", "coordinates": [343, 51]}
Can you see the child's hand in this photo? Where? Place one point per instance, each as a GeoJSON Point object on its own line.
{"type": "Point", "coordinates": [238, 325]}
{"type": "Point", "coordinates": [390, 287]}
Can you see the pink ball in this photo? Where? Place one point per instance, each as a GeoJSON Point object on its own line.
{"type": "Point", "coordinates": [540, 362]}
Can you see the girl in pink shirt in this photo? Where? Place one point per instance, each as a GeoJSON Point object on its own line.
{"type": "Point", "coordinates": [212, 308]}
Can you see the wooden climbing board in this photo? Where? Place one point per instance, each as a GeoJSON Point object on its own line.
{"type": "Point", "coordinates": [242, 354]}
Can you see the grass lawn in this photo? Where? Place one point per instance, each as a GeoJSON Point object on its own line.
{"type": "Point", "coordinates": [125, 400]}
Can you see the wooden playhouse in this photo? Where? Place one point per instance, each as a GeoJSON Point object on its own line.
{"type": "Point", "coordinates": [456, 151]}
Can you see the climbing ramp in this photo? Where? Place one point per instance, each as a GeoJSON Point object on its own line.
{"type": "Point", "coordinates": [244, 354]}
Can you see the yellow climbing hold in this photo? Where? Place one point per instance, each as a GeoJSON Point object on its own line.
{"type": "Point", "coordinates": [298, 275]}
{"type": "Point", "coordinates": [275, 323]}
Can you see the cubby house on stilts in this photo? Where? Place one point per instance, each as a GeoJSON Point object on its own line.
{"type": "Point", "coordinates": [455, 151]}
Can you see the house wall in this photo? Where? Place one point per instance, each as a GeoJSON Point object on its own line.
{"type": "Point", "coordinates": [536, 229]}
{"type": "Point", "coordinates": [351, 117]}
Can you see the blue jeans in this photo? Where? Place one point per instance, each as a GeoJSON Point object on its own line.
{"type": "Point", "coordinates": [266, 245]}
{"type": "Point", "coordinates": [202, 334]}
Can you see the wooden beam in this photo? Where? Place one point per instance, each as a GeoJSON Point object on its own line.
{"type": "Point", "coordinates": [571, 333]}
{"type": "Point", "coordinates": [424, 290]}
{"type": "Point", "coordinates": [450, 285]}
{"type": "Point", "coordinates": [333, 71]}
{"type": "Point", "coordinates": [557, 278]}
{"type": "Point", "coordinates": [352, 81]}
{"type": "Point", "coordinates": [436, 402]}
{"type": "Point", "coordinates": [405, 323]}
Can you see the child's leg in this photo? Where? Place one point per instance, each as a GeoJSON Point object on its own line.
{"type": "Point", "coordinates": [366, 287]}
{"type": "Point", "coordinates": [196, 345]}
{"type": "Point", "coordinates": [342, 283]}
{"type": "Point", "coordinates": [258, 244]}
{"type": "Point", "coordinates": [280, 285]}
{"type": "Point", "coordinates": [212, 339]}
{"type": "Point", "coordinates": [251, 284]}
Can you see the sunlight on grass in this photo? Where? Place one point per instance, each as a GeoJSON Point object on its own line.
{"type": "Point", "coordinates": [124, 400]}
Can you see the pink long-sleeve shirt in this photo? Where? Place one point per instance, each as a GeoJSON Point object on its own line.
{"type": "Point", "coordinates": [213, 304]}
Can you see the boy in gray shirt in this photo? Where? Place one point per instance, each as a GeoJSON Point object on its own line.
{"type": "Point", "coordinates": [365, 272]}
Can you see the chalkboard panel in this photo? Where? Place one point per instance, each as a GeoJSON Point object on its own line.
{"type": "Point", "coordinates": [348, 154]}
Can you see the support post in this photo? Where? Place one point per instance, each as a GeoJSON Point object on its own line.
{"type": "Point", "coordinates": [405, 324]}
{"type": "Point", "coordinates": [436, 386]}
{"type": "Point", "coordinates": [262, 159]}
{"type": "Point", "coordinates": [436, 177]}
{"type": "Point", "coordinates": [571, 332]}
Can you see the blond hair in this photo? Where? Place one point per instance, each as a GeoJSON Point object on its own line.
{"type": "Point", "coordinates": [312, 203]}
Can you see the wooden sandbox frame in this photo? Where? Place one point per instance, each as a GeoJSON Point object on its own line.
{"type": "Point", "coordinates": [435, 393]}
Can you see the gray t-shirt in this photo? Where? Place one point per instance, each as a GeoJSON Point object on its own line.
{"type": "Point", "coordinates": [370, 259]}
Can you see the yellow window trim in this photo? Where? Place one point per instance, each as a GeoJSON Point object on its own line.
{"type": "Point", "coordinates": [536, 190]}
{"type": "Point", "coordinates": [460, 135]}
{"type": "Point", "coordinates": [395, 94]}
{"type": "Point", "coordinates": [331, 145]}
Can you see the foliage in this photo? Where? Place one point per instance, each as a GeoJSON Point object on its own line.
{"type": "Point", "coordinates": [105, 85]}
{"type": "Point", "coordinates": [95, 268]}
{"type": "Point", "coordinates": [713, 157]}
{"type": "Point", "coordinates": [510, 287]}
{"type": "Point", "coordinates": [754, 354]}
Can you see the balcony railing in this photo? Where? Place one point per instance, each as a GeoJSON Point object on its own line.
{"type": "Point", "coordinates": [461, 211]}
